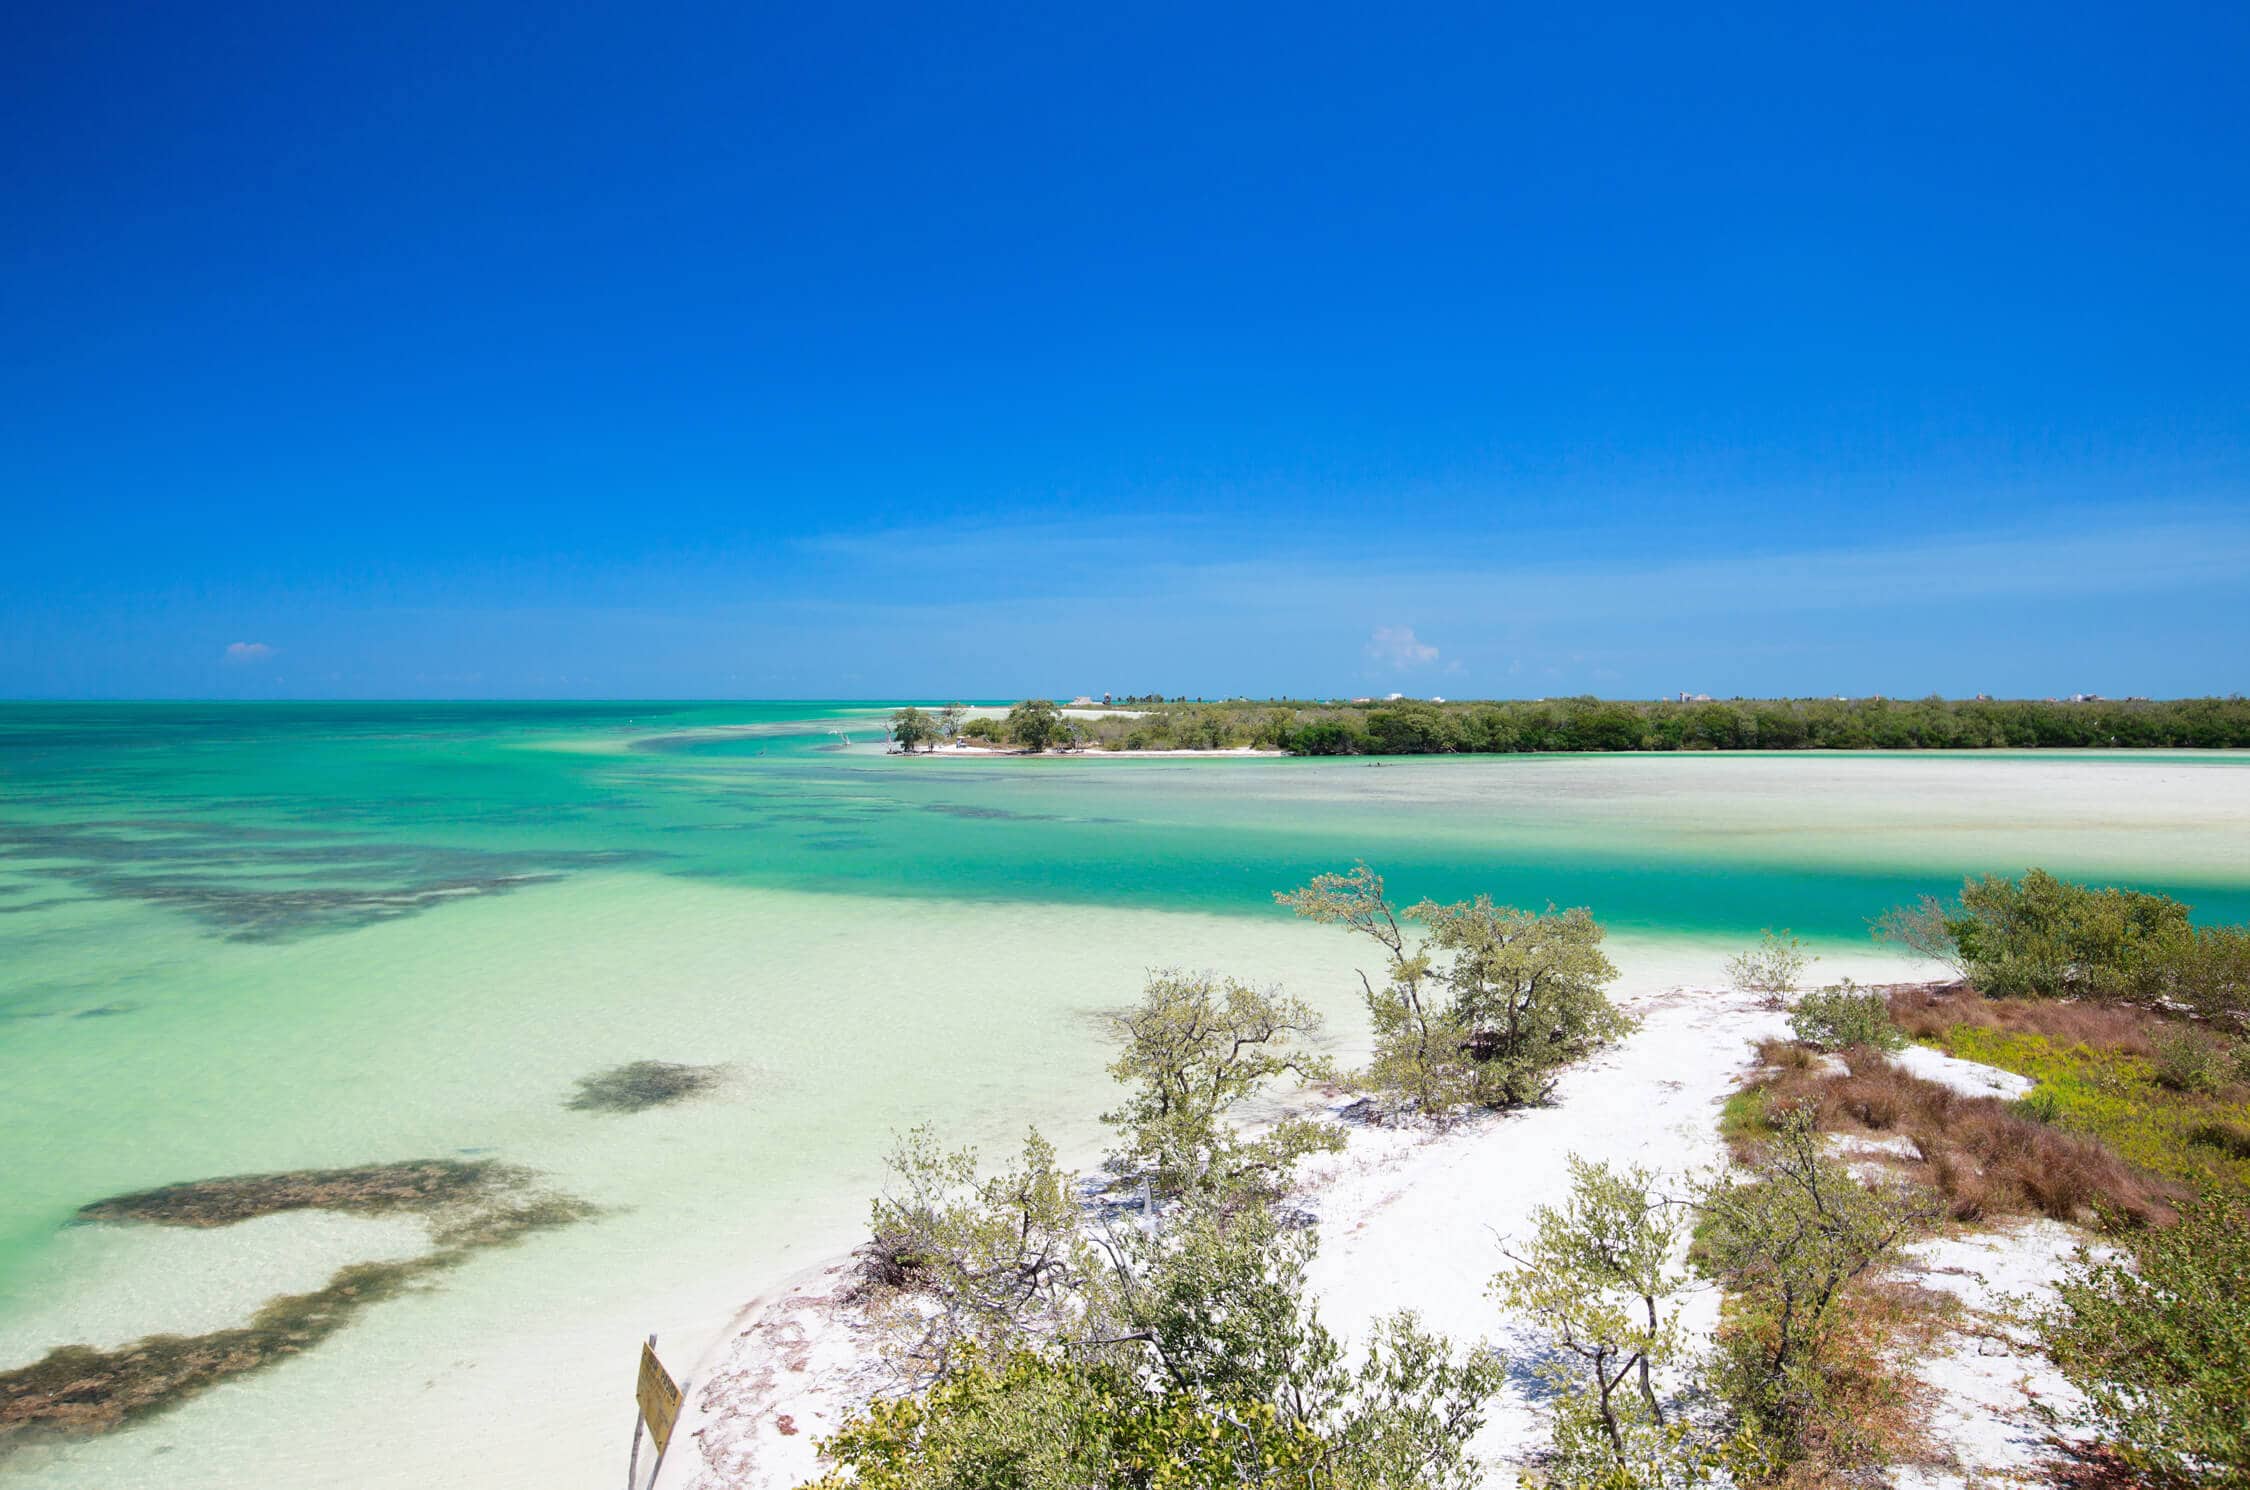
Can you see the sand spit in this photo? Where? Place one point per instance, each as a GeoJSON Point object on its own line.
{"type": "Point", "coordinates": [1414, 1218]}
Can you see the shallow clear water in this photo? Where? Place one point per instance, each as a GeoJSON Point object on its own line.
{"type": "Point", "coordinates": [247, 938]}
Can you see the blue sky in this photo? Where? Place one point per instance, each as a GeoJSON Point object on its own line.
{"type": "Point", "coordinates": [593, 350]}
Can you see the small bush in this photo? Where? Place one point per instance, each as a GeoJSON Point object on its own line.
{"type": "Point", "coordinates": [1846, 1015]}
{"type": "Point", "coordinates": [2191, 1061]}
{"type": "Point", "coordinates": [1788, 1239]}
{"type": "Point", "coordinates": [2160, 1344]}
{"type": "Point", "coordinates": [1487, 1007]}
{"type": "Point", "coordinates": [1772, 967]}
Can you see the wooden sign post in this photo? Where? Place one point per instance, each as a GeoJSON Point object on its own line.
{"type": "Point", "coordinates": [658, 1402]}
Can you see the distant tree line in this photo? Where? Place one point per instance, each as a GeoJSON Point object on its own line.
{"type": "Point", "coordinates": [1417, 727]}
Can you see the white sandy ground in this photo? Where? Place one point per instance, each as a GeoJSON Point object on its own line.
{"type": "Point", "coordinates": [1414, 1219]}
{"type": "Point", "coordinates": [1987, 1379]}
{"type": "Point", "coordinates": [1966, 1077]}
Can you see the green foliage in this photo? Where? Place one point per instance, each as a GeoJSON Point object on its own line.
{"type": "Point", "coordinates": [1408, 726]}
{"type": "Point", "coordinates": [1218, 1303]}
{"type": "Point", "coordinates": [1600, 1275]}
{"type": "Point", "coordinates": [989, 730]}
{"type": "Point", "coordinates": [911, 729]}
{"type": "Point", "coordinates": [1200, 1363]}
{"type": "Point", "coordinates": [1787, 1238]}
{"type": "Point", "coordinates": [1036, 724]}
{"type": "Point", "coordinates": [1520, 997]}
{"type": "Point", "coordinates": [1844, 1016]}
{"type": "Point", "coordinates": [2118, 1099]}
{"type": "Point", "coordinates": [1426, 727]}
{"type": "Point", "coordinates": [1773, 966]}
{"type": "Point", "coordinates": [1033, 1421]}
{"type": "Point", "coordinates": [2159, 1341]}
{"type": "Point", "coordinates": [1192, 1048]}
{"type": "Point", "coordinates": [2045, 937]}
{"type": "Point", "coordinates": [966, 1262]}
{"type": "Point", "coordinates": [949, 720]}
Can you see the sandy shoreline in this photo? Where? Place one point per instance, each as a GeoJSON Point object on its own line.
{"type": "Point", "coordinates": [1416, 1218]}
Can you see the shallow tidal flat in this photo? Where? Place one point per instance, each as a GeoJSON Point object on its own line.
{"type": "Point", "coordinates": [684, 977]}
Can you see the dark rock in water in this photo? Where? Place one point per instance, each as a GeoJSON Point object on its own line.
{"type": "Point", "coordinates": [423, 1185]}
{"type": "Point", "coordinates": [643, 1084]}
{"type": "Point", "coordinates": [78, 1390]}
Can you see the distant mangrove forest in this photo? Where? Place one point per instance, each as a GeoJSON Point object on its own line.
{"type": "Point", "coordinates": [1472, 727]}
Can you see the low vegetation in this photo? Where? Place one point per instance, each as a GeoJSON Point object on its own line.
{"type": "Point", "coordinates": [961, 1263]}
{"type": "Point", "coordinates": [2102, 1075]}
{"type": "Point", "coordinates": [1603, 1275]}
{"type": "Point", "coordinates": [1789, 1237]}
{"type": "Point", "coordinates": [2158, 1338]}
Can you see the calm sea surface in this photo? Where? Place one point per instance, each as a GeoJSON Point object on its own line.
{"type": "Point", "coordinates": [244, 938]}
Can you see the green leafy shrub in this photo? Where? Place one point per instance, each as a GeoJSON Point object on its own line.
{"type": "Point", "coordinates": [1787, 1238]}
{"type": "Point", "coordinates": [1845, 1016]}
{"type": "Point", "coordinates": [2043, 937]}
{"type": "Point", "coordinates": [1188, 1052]}
{"type": "Point", "coordinates": [1600, 1274]}
{"type": "Point", "coordinates": [961, 1263]}
{"type": "Point", "coordinates": [1520, 996]}
{"type": "Point", "coordinates": [2046, 937]}
{"type": "Point", "coordinates": [1772, 967]}
{"type": "Point", "coordinates": [1198, 1362]}
{"type": "Point", "coordinates": [2159, 1341]}
{"type": "Point", "coordinates": [2231, 1139]}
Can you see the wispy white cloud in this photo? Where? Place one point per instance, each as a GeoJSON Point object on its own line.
{"type": "Point", "coordinates": [1399, 648]}
{"type": "Point", "coordinates": [244, 652]}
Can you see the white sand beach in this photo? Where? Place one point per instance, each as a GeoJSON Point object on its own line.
{"type": "Point", "coordinates": [1413, 1218]}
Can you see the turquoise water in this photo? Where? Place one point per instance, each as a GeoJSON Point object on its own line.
{"type": "Point", "coordinates": [238, 938]}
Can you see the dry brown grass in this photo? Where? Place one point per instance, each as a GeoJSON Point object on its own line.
{"type": "Point", "coordinates": [1926, 1011]}
{"type": "Point", "coordinates": [1984, 1158]}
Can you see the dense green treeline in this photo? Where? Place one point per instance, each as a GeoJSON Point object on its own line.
{"type": "Point", "coordinates": [1417, 727]}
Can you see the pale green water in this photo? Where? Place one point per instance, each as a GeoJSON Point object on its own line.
{"type": "Point", "coordinates": [246, 938]}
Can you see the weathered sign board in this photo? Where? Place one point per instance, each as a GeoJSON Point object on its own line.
{"type": "Point", "coordinates": [659, 1397]}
